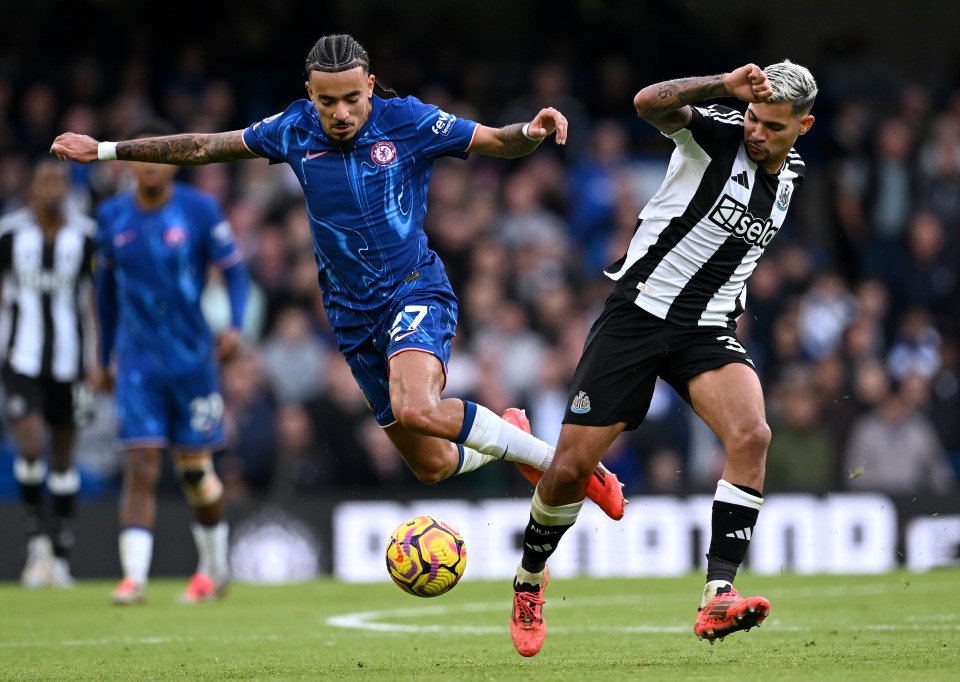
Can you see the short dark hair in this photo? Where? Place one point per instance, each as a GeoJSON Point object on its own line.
{"type": "Point", "coordinates": [342, 52]}
{"type": "Point", "coordinates": [151, 127]}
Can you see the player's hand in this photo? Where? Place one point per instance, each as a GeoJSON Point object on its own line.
{"type": "Point", "coordinates": [548, 122]}
{"type": "Point", "coordinates": [748, 83]}
{"type": "Point", "coordinates": [82, 148]}
{"type": "Point", "coordinates": [228, 344]}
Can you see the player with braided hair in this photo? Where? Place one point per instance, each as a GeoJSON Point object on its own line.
{"type": "Point", "coordinates": [364, 159]}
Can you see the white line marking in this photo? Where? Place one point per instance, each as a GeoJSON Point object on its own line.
{"type": "Point", "coordinates": [375, 620]}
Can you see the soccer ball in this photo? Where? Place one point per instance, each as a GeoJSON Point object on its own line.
{"type": "Point", "coordinates": [426, 557]}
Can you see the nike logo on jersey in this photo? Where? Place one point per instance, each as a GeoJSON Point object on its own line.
{"type": "Point", "coordinates": [401, 337]}
{"type": "Point", "coordinates": [313, 155]}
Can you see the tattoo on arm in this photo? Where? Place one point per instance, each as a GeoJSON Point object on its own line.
{"type": "Point", "coordinates": [675, 94]}
{"type": "Point", "coordinates": [515, 143]}
{"type": "Point", "coordinates": [190, 149]}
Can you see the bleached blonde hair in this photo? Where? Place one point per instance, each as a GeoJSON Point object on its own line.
{"type": "Point", "coordinates": [792, 83]}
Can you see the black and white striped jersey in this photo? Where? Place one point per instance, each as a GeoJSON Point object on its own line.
{"type": "Point", "coordinates": [46, 304]}
{"type": "Point", "coordinates": [698, 239]}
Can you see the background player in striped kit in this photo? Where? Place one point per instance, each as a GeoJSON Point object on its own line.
{"type": "Point", "coordinates": [364, 158]}
{"type": "Point", "coordinates": [679, 290]}
{"type": "Point", "coordinates": [47, 334]}
{"type": "Point", "coordinates": [154, 247]}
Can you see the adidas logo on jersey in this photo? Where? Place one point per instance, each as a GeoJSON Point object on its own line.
{"type": "Point", "coordinates": [734, 217]}
{"type": "Point", "coordinates": [741, 178]}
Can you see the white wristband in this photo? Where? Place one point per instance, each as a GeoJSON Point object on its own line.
{"type": "Point", "coordinates": [107, 151]}
{"type": "Point", "coordinates": [525, 130]}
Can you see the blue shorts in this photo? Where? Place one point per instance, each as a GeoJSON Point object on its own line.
{"type": "Point", "coordinates": [158, 411]}
{"type": "Point", "coordinates": [423, 319]}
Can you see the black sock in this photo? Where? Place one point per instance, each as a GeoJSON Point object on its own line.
{"type": "Point", "coordinates": [31, 495]}
{"type": "Point", "coordinates": [731, 529]}
{"type": "Point", "coordinates": [539, 542]}
{"type": "Point", "coordinates": [62, 531]}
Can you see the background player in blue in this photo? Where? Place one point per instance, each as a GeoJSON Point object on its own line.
{"type": "Point", "coordinates": [154, 247]}
{"type": "Point", "coordinates": [364, 158]}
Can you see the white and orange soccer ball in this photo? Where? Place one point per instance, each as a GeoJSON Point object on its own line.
{"type": "Point", "coordinates": [426, 557]}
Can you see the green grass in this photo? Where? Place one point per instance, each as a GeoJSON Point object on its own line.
{"type": "Point", "coordinates": [897, 626]}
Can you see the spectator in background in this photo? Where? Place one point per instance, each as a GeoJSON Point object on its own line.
{"type": "Point", "coordinates": [250, 414]}
{"type": "Point", "coordinates": [803, 455]}
{"type": "Point", "coordinates": [597, 182]}
{"type": "Point", "coordinates": [923, 273]}
{"type": "Point", "coordinates": [895, 449]}
{"type": "Point", "coordinates": [297, 464]}
{"type": "Point", "coordinates": [889, 197]}
{"type": "Point", "coordinates": [945, 400]}
{"type": "Point", "coordinates": [517, 351]}
{"type": "Point", "coordinates": [916, 348]}
{"type": "Point", "coordinates": [347, 456]}
{"type": "Point", "coordinates": [294, 359]}
{"type": "Point", "coordinates": [826, 308]}
{"type": "Point", "coordinates": [550, 82]}
{"type": "Point", "coordinates": [939, 175]}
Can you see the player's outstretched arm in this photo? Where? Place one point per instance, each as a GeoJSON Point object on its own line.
{"type": "Point", "coordinates": [519, 139]}
{"type": "Point", "coordinates": [189, 149]}
{"type": "Point", "coordinates": [666, 105]}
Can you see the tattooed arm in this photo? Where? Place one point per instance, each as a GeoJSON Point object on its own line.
{"type": "Point", "coordinates": [666, 105]}
{"type": "Point", "coordinates": [190, 149]}
{"type": "Point", "coordinates": [510, 142]}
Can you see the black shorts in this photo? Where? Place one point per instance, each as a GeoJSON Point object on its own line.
{"type": "Point", "coordinates": [25, 395]}
{"type": "Point", "coordinates": [627, 349]}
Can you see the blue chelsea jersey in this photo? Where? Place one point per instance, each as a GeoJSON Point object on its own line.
{"type": "Point", "coordinates": [367, 200]}
{"type": "Point", "coordinates": [159, 263]}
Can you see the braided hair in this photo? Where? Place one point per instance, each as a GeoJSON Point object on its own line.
{"type": "Point", "coordinates": [341, 52]}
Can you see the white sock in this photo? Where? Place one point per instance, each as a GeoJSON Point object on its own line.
{"type": "Point", "coordinates": [710, 591]}
{"type": "Point", "coordinates": [492, 436]}
{"type": "Point", "coordinates": [29, 473]}
{"type": "Point", "coordinates": [471, 460]}
{"type": "Point", "coordinates": [212, 548]}
{"type": "Point", "coordinates": [136, 551]}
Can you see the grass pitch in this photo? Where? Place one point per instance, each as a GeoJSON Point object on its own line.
{"type": "Point", "coordinates": [897, 626]}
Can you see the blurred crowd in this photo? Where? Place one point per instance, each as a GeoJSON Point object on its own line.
{"type": "Point", "coordinates": [853, 315]}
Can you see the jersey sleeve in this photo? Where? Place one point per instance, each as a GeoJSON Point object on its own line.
{"type": "Point", "coordinates": [440, 133]}
{"type": "Point", "coordinates": [710, 130]}
{"type": "Point", "coordinates": [270, 137]}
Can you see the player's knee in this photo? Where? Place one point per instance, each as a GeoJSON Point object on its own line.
{"type": "Point", "coordinates": [416, 417]}
{"type": "Point", "coordinates": [430, 476]}
{"type": "Point", "coordinates": [430, 471]}
{"type": "Point", "coordinates": [199, 481]}
{"type": "Point", "coordinates": [568, 472]}
{"type": "Point", "coordinates": [752, 439]}
{"type": "Point", "coordinates": [143, 471]}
